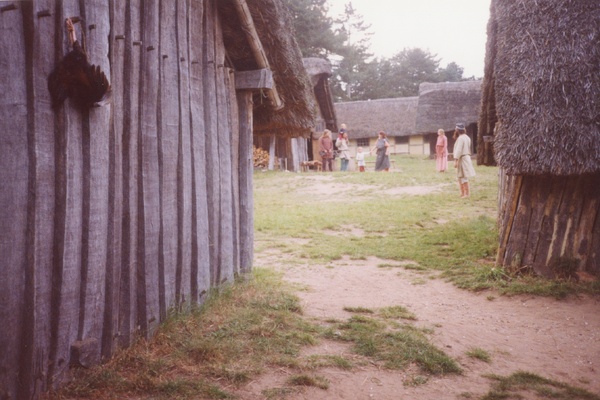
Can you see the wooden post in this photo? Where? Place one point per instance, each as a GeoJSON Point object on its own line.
{"type": "Point", "coordinates": [225, 165]}
{"type": "Point", "coordinates": [148, 183]}
{"type": "Point", "coordinates": [200, 275]}
{"type": "Point", "coordinates": [244, 99]}
{"type": "Point", "coordinates": [128, 304]}
{"type": "Point", "coordinates": [234, 127]}
{"type": "Point", "coordinates": [168, 138]}
{"type": "Point", "coordinates": [35, 338]}
{"type": "Point", "coordinates": [212, 155]}
{"type": "Point", "coordinates": [244, 83]}
{"type": "Point", "coordinates": [272, 146]}
{"type": "Point", "coordinates": [115, 184]}
{"type": "Point", "coordinates": [184, 214]}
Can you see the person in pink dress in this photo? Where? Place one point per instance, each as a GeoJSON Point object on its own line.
{"type": "Point", "coordinates": [441, 152]}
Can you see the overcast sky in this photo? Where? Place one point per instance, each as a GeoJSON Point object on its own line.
{"type": "Point", "coordinates": [454, 30]}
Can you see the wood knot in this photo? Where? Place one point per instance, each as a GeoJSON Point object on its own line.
{"type": "Point", "coordinates": [8, 7]}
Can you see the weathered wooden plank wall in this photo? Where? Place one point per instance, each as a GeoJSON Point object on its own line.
{"type": "Point", "coordinates": [183, 282]}
{"type": "Point", "coordinates": [112, 217]}
{"type": "Point", "coordinates": [15, 165]}
{"type": "Point", "coordinates": [548, 220]}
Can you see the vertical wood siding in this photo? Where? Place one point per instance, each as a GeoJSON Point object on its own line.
{"type": "Point", "coordinates": [546, 219]}
{"type": "Point", "coordinates": [113, 217]}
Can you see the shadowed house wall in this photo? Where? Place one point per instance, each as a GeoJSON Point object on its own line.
{"type": "Point", "coordinates": [114, 216]}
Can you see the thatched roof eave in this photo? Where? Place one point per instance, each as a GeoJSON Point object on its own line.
{"type": "Point", "coordinates": [442, 105]}
{"type": "Point", "coordinates": [395, 116]}
{"type": "Point", "coordinates": [271, 22]}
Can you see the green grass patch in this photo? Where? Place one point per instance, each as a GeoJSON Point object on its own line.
{"type": "Point", "coordinates": [479, 354]}
{"type": "Point", "coordinates": [309, 380]}
{"type": "Point", "coordinates": [397, 312]}
{"type": "Point", "coordinates": [395, 346]}
{"type": "Point", "coordinates": [321, 361]}
{"type": "Point", "coordinates": [521, 383]}
{"type": "Point", "coordinates": [433, 231]}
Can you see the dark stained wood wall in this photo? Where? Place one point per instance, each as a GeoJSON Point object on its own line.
{"type": "Point", "coordinates": [550, 224]}
{"type": "Point", "coordinates": [113, 217]}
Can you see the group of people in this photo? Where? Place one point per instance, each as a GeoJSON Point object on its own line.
{"type": "Point", "coordinates": [461, 154]}
{"type": "Point", "coordinates": [327, 151]}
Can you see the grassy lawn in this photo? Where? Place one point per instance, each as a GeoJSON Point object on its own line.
{"type": "Point", "coordinates": [437, 230]}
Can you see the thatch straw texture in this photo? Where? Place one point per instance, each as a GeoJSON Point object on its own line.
{"type": "Point", "coordinates": [442, 105]}
{"type": "Point", "coordinates": [543, 61]}
{"type": "Point", "coordinates": [273, 24]}
{"type": "Point", "coordinates": [365, 119]}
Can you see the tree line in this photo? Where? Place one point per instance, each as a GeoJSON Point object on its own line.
{"type": "Point", "coordinates": [357, 74]}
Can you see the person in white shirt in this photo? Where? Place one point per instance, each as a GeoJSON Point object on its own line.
{"type": "Point", "coordinates": [462, 159]}
{"type": "Point", "coordinates": [360, 159]}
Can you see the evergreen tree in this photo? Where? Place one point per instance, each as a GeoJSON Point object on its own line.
{"type": "Point", "coordinates": [353, 69]}
{"type": "Point", "coordinates": [452, 73]}
{"type": "Point", "coordinates": [345, 42]}
{"type": "Point", "coordinates": [314, 32]}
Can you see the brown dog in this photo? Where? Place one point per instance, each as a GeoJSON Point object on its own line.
{"type": "Point", "coordinates": [305, 166]}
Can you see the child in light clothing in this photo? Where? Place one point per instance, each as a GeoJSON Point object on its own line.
{"type": "Point", "coordinates": [360, 159]}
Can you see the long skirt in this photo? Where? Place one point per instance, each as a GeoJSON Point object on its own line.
{"type": "Point", "coordinates": [382, 162]}
{"type": "Point", "coordinates": [441, 161]}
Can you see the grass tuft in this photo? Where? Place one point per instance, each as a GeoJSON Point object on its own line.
{"type": "Point", "coordinates": [479, 354]}
{"type": "Point", "coordinates": [396, 346]}
{"type": "Point", "coordinates": [309, 380]}
{"type": "Point", "coordinates": [359, 310]}
{"type": "Point", "coordinates": [521, 382]}
{"type": "Point", "coordinates": [397, 312]}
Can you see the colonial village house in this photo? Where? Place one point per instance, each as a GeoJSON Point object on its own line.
{"type": "Point", "coordinates": [411, 123]}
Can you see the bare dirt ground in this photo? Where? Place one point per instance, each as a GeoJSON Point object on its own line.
{"type": "Point", "coordinates": [556, 339]}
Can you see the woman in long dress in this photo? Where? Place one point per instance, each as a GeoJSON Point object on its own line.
{"type": "Point", "coordinates": [462, 159]}
{"type": "Point", "coordinates": [382, 162]}
{"type": "Point", "coordinates": [441, 152]}
{"type": "Point", "coordinates": [326, 150]}
{"type": "Point", "coordinates": [342, 146]}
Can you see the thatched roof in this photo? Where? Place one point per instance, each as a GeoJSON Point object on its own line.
{"type": "Point", "coordinates": [365, 119]}
{"type": "Point", "coordinates": [543, 60]}
{"type": "Point", "coordinates": [442, 105]}
{"type": "Point", "coordinates": [319, 71]}
{"type": "Point", "coordinates": [273, 25]}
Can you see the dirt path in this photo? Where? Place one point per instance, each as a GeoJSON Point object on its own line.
{"type": "Point", "coordinates": [555, 339]}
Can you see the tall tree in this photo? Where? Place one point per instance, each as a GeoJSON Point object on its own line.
{"type": "Point", "coordinates": [345, 42]}
{"type": "Point", "coordinates": [353, 67]}
{"type": "Point", "coordinates": [410, 68]}
{"type": "Point", "coordinates": [452, 73]}
{"type": "Point", "coordinates": [314, 29]}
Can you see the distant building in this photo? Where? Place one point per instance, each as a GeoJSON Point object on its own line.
{"type": "Point", "coordinates": [411, 123]}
